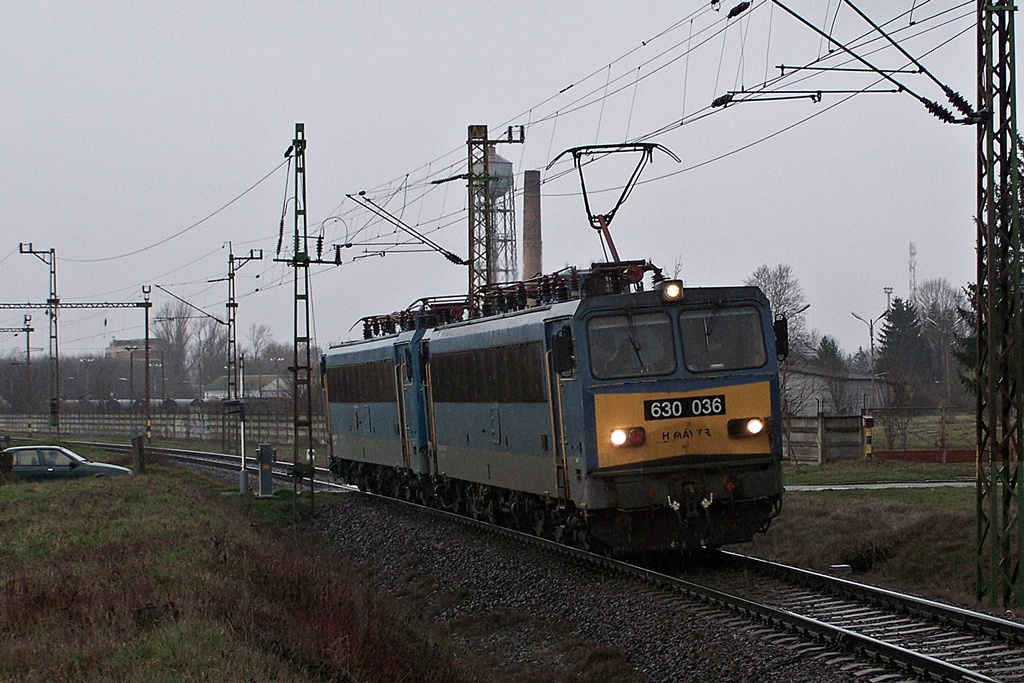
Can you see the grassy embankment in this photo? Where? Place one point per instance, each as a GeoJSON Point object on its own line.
{"type": "Point", "coordinates": [164, 577]}
{"type": "Point", "coordinates": [920, 540]}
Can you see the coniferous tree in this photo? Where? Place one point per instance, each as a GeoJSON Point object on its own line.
{"type": "Point", "coordinates": [832, 364]}
{"type": "Point", "coordinates": [904, 360]}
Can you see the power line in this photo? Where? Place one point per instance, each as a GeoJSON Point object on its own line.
{"type": "Point", "coordinates": [180, 232]}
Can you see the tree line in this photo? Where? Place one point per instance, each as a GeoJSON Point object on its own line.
{"type": "Point", "coordinates": [921, 356]}
{"type": "Point", "coordinates": [188, 354]}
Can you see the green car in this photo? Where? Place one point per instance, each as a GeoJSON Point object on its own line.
{"type": "Point", "coordinates": [39, 463]}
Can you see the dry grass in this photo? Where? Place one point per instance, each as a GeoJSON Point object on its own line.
{"type": "Point", "coordinates": [916, 540]}
{"type": "Point", "coordinates": [159, 577]}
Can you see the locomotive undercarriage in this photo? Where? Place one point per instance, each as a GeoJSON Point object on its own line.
{"type": "Point", "coordinates": [678, 528]}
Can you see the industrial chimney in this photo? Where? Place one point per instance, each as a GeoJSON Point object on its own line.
{"type": "Point", "coordinates": [532, 252]}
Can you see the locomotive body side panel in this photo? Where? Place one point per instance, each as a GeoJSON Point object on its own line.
{"type": "Point", "coordinates": [491, 415]}
{"type": "Point", "coordinates": [361, 394]}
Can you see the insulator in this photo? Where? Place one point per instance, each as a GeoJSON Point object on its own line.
{"type": "Point", "coordinates": [319, 248]}
{"type": "Point", "coordinates": [939, 111]}
{"type": "Point", "coordinates": [722, 100]}
{"type": "Point", "coordinates": [563, 292]}
{"type": "Point", "coordinates": [958, 101]}
{"type": "Point", "coordinates": [521, 295]}
{"type": "Point", "coordinates": [738, 10]}
{"type": "Point", "coordinates": [367, 330]}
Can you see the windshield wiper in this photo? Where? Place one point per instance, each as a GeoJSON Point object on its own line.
{"type": "Point", "coordinates": [634, 338]}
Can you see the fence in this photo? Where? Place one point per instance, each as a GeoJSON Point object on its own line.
{"type": "Point", "coordinates": [915, 434]}
{"type": "Point", "coordinates": [215, 427]}
{"type": "Point", "coordinates": [822, 438]}
{"type": "Point", "coordinates": [925, 434]}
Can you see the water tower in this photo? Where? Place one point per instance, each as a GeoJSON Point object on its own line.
{"type": "Point", "coordinates": [503, 264]}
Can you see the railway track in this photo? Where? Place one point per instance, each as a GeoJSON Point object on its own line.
{"type": "Point", "coordinates": [978, 642]}
{"type": "Point", "coordinates": [281, 470]}
{"type": "Point", "coordinates": [839, 621]}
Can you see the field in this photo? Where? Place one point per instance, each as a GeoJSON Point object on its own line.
{"type": "Point", "coordinates": [172, 576]}
{"type": "Point", "coordinates": [916, 540]}
{"type": "Point", "coordinates": [165, 576]}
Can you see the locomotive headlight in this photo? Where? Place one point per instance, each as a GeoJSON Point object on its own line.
{"type": "Point", "coordinates": [746, 426]}
{"type": "Point", "coordinates": [672, 290]}
{"type": "Point", "coordinates": [631, 436]}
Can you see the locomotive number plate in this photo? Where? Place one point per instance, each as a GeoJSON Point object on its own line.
{"type": "Point", "coordinates": [691, 406]}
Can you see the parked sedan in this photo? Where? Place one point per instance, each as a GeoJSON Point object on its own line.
{"type": "Point", "coordinates": [37, 463]}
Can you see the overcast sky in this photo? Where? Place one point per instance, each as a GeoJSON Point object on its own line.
{"type": "Point", "coordinates": [135, 136]}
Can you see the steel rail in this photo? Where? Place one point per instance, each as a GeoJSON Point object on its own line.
{"type": "Point", "coordinates": [973, 621]}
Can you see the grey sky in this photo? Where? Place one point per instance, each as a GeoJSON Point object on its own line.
{"type": "Point", "coordinates": [124, 123]}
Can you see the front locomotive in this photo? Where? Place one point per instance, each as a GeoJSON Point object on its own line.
{"type": "Point", "coordinates": [668, 406]}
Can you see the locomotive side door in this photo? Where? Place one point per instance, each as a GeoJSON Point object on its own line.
{"type": "Point", "coordinates": [403, 382]}
{"type": "Point", "coordinates": [560, 363]}
{"type": "Point", "coordinates": [412, 411]}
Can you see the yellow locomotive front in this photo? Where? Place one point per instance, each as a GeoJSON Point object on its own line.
{"type": "Point", "coordinates": [679, 402]}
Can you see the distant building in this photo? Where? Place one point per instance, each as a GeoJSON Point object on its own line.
{"type": "Point", "coordinates": [123, 348]}
{"type": "Point", "coordinates": [257, 386]}
{"type": "Point", "coordinates": [811, 392]}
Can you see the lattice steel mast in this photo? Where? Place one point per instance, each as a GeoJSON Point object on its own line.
{"type": "Point", "coordinates": [302, 395]}
{"type": "Point", "coordinates": [49, 257]}
{"type": "Point", "coordinates": [1000, 534]}
{"type": "Point", "coordinates": [483, 249]}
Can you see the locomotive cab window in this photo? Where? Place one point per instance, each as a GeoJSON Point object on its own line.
{"type": "Point", "coordinates": [631, 345]}
{"type": "Point", "coordinates": [722, 339]}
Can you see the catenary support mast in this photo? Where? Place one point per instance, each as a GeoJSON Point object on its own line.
{"type": "Point", "coordinates": [1000, 356]}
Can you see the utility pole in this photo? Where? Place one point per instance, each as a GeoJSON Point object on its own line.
{"type": "Point", "coordinates": [28, 364]}
{"type": "Point", "coordinates": [146, 289]}
{"type": "Point", "coordinates": [1000, 533]}
{"type": "Point", "coordinates": [234, 263]}
{"type": "Point", "coordinates": [301, 367]}
{"type": "Point", "coordinates": [236, 374]}
{"type": "Point", "coordinates": [302, 348]}
{"type": "Point", "coordinates": [49, 257]}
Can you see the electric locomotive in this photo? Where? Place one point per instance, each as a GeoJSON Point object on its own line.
{"type": "Point", "coordinates": [582, 406]}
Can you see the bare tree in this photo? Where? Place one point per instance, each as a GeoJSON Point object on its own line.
{"type": "Point", "coordinates": [259, 340]}
{"type": "Point", "coordinates": [209, 357]}
{"type": "Point", "coordinates": [938, 303]}
{"type": "Point", "coordinates": [259, 337]}
{"type": "Point", "coordinates": [173, 331]}
{"type": "Point", "coordinates": [786, 297]}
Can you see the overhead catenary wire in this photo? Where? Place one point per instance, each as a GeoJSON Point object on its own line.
{"type": "Point", "coordinates": [955, 98]}
{"type": "Point", "coordinates": [933, 107]}
{"type": "Point", "coordinates": [583, 101]}
{"type": "Point", "coordinates": [180, 232]}
{"type": "Point", "coordinates": [411, 193]}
